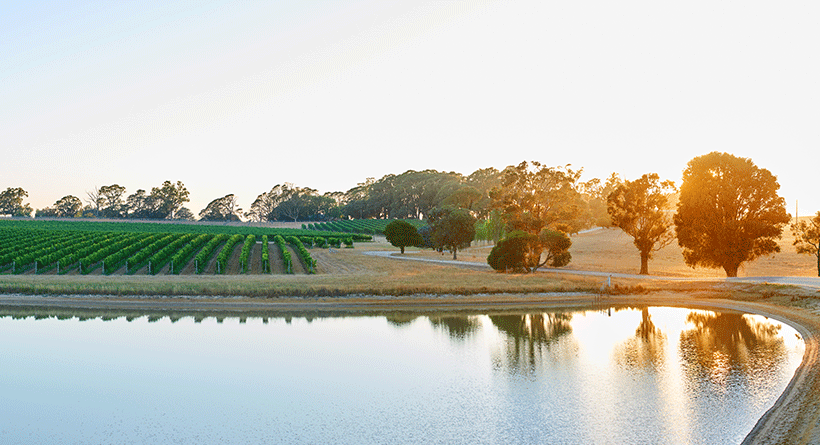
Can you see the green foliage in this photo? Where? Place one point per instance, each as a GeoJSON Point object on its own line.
{"type": "Point", "coordinates": [523, 252]}
{"type": "Point", "coordinates": [510, 253]}
{"type": "Point", "coordinates": [11, 202]}
{"type": "Point", "coordinates": [402, 234]}
{"type": "Point", "coordinates": [225, 253]}
{"type": "Point", "coordinates": [244, 257]}
{"type": "Point", "coordinates": [641, 209]}
{"type": "Point", "coordinates": [150, 227]}
{"type": "Point", "coordinates": [265, 254]}
{"type": "Point", "coordinates": [142, 256]}
{"type": "Point", "coordinates": [319, 242]}
{"type": "Point", "coordinates": [207, 252]}
{"type": "Point", "coordinates": [160, 258]}
{"type": "Point", "coordinates": [729, 212]}
{"type": "Point", "coordinates": [183, 255]}
{"type": "Point", "coordinates": [304, 255]}
{"type": "Point", "coordinates": [221, 209]}
{"type": "Point", "coordinates": [555, 247]}
{"type": "Point", "coordinates": [532, 198]}
{"type": "Point", "coordinates": [361, 226]}
{"type": "Point", "coordinates": [115, 260]}
{"type": "Point", "coordinates": [452, 229]}
{"type": "Point", "coordinates": [285, 253]}
{"type": "Point", "coordinates": [807, 238]}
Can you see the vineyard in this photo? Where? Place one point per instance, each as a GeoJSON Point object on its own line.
{"type": "Point", "coordinates": [358, 226]}
{"type": "Point", "coordinates": [53, 247]}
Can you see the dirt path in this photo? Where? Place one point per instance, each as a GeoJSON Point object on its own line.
{"type": "Point", "coordinates": [277, 264]}
{"type": "Point", "coordinates": [210, 268]}
{"type": "Point", "coordinates": [296, 260]}
{"type": "Point", "coordinates": [233, 261]}
{"type": "Point", "coordinates": [334, 261]}
{"type": "Point", "coordinates": [255, 259]}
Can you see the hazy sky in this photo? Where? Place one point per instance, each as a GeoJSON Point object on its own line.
{"type": "Point", "coordinates": [238, 96]}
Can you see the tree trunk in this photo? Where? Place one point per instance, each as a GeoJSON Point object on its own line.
{"type": "Point", "coordinates": [818, 262]}
{"type": "Point", "coordinates": [402, 249]}
{"type": "Point", "coordinates": [644, 263]}
{"type": "Point", "coordinates": [731, 270]}
{"type": "Point", "coordinates": [454, 254]}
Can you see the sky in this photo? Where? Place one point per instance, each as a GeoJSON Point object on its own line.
{"type": "Point", "coordinates": [239, 96]}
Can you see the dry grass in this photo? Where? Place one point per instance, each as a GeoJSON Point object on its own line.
{"type": "Point", "coordinates": [611, 250]}
{"type": "Point", "coordinates": [343, 272]}
{"type": "Point", "coordinates": [350, 272]}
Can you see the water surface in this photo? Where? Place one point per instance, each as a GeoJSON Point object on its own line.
{"type": "Point", "coordinates": [618, 375]}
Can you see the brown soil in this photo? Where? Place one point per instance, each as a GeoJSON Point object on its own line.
{"type": "Point", "coordinates": [255, 259]}
{"type": "Point", "coordinates": [335, 262]}
{"type": "Point", "coordinates": [233, 260]}
{"type": "Point", "coordinates": [297, 265]}
{"type": "Point", "coordinates": [190, 266]}
{"type": "Point", "coordinates": [277, 264]}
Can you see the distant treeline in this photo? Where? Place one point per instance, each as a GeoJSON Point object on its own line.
{"type": "Point", "coordinates": [409, 195]}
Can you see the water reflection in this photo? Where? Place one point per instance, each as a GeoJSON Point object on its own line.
{"type": "Point", "coordinates": [624, 375]}
{"type": "Point", "coordinates": [457, 327]}
{"type": "Point", "coordinates": [719, 343]}
{"type": "Point", "coordinates": [529, 338]}
{"type": "Point", "coordinates": [647, 349]}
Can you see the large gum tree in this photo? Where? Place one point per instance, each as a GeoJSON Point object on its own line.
{"type": "Point", "coordinates": [641, 209]}
{"type": "Point", "coordinates": [729, 212]}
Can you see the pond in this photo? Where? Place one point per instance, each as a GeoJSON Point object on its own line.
{"type": "Point", "coordinates": [613, 375]}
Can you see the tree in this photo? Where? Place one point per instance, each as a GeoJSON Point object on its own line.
{"type": "Point", "coordinates": [640, 208]}
{"type": "Point", "coordinates": [11, 202]}
{"type": "Point", "coordinates": [170, 198]}
{"type": "Point", "coordinates": [807, 238]}
{"type": "Point", "coordinates": [185, 214]}
{"type": "Point", "coordinates": [452, 229]}
{"type": "Point", "coordinates": [68, 207]}
{"type": "Point", "coordinates": [402, 234]}
{"type": "Point", "coordinates": [512, 253]}
{"type": "Point", "coordinates": [729, 212]}
{"type": "Point", "coordinates": [534, 198]}
{"type": "Point", "coordinates": [109, 199]}
{"type": "Point", "coordinates": [524, 252]}
{"type": "Point", "coordinates": [94, 201]}
{"type": "Point", "coordinates": [221, 209]}
{"type": "Point", "coordinates": [142, 206]}
{"type": "Point", "coordinates": [595, 193]}
{"type": "Point", "coordinates": [555, 247]}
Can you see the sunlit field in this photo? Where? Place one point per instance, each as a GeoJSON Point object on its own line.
{"type": "Point", "coordinates": [611, 250]}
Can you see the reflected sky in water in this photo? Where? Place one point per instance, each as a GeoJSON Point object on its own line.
{"type": "Point", "coordinates": [621, 375]}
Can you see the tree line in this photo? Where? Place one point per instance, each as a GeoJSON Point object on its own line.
{"type": "Point", "coordinates": [726, 213]}
{"type": "Point", "coordinates": [412, 194]}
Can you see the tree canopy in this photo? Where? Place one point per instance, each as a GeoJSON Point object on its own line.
{"type": "Point", "coordinates": [221, 209]}
{"type": "Point", "coordinates": [66, 207]}
{"type": "Point", "coordinates": [402, 234]}
{"type": "Point", "coordinates": [531, 199]}
{"type": "Point", "coordinates": [641, 209]}
{"type": "Point", "coordinates": [524, 252]}
{"type": "Point", "coordinates": [451, 229]}
{"type": "Point", "coordinates": [287, 202]}
{"type": "Point", "coordinates": [807, 238]}
{"type": "Point", "coordinates": [11, 202]}
{"type": "Point", "coordinates": [729, 212]}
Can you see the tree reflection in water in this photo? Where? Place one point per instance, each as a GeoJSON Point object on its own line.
{"type": "Point", "coordinates": [529, 339]}
{"type": "Point", "coordinates": [724, 344]}
{"type": "Point", "coordinates": [458, 327]}
{"type": "Point", "coordinates": [647, 349]}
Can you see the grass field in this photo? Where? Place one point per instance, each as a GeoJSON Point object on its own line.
{"type": "Point", "coordinates": [349, 271]}
{"type": "Point", "coordinates": [611, 250]}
